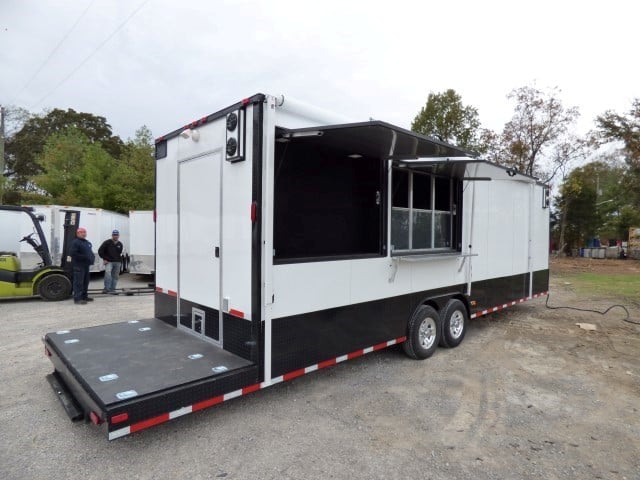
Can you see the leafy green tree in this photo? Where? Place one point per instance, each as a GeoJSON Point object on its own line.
{"type": "Point", "coordinates": [445, 116]}
{"type": "Point", "coordinates": [14, 119]}
{"type": "Point", "coordinates": [625, 129]}
{"type": "Point", "coordinates": [133, 180]}
{"type": "Point", "coordinates": [76, 171]}
{"type": "Point", "coordinates": [28, 143]}
{"type": "Point", "coordinates": [577, 204]}
{"type": "Point", "coordinates": [593, 203]}
{"type": "Point", "coordinates": [540, 127]}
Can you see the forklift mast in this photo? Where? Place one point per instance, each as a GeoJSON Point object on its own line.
{"type": "Point", "coordinates": [43, 248]}
{"type": "Point", "coordinates": [71, 223]}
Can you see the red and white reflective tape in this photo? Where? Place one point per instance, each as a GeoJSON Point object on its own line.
{"type": "Point", "coordinates": [232, 311]}
{"type": "Point", "coordinates": [505, 305]}
{"type": "Point", "coordinates": [165, 417]}
{"type": "Point", "coordinates": [171, 293]}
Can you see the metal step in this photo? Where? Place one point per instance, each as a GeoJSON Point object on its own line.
{"type": "Point", "coordinates": [66, 399]}
{"type": "Point", "coordinates": [123, 291]}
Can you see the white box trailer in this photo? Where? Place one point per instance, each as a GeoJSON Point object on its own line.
{"type": "Point", "coordinates": [98, 222]}
{"type": "Point", "coordinates": [142, 242]}
{"type": "Point", "coordinates": [287, 242]}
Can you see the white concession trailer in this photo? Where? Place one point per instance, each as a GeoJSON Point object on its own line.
{"type": "Point", "coordinates": [287, 242]}
{"type": "Point", "coordinates": [142, 238]}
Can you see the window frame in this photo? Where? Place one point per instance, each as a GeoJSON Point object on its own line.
{"type": "Point", "coordinates": [454, 212]}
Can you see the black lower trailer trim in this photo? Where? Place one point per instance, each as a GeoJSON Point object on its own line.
{"type": "Point", "coordinates": [301, 344]}
{"type": "Point", "coordinates": [307, 338]}
{"type": "Point", "coordinates": [158, 418]}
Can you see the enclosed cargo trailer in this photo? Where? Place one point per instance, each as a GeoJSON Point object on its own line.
{"type": "Point", "coordinates": [142, 238]}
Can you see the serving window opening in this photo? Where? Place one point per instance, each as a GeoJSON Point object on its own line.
{"type": "Point", "coordinates": [328, 202]}
{"type": "Point", "coordinates": [424, 212]}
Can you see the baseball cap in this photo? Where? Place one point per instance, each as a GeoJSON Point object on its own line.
{"type": "Point", "coordinates": [115, 232]}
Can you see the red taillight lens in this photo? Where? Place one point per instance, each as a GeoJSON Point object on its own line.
{"type": "Point", "coordinates": [47, 352]}
{"type": "Point", "coordinates": [121, 417]}
{"type": "Point", "coordinates": [95, 419]}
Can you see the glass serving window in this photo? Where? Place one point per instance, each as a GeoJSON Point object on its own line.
{"type": "Point", "coordinates": [423, 212]}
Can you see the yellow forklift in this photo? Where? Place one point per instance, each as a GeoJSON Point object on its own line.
{"type": "Point", "coordinates": [49, 281]}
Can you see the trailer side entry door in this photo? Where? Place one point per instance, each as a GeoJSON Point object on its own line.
{"type": "Point", "coordinates": [199, 246]}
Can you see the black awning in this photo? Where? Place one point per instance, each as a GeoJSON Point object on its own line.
{"type": "Point", "coordinates": [382, 140]}
{"type": "Point", "coordinates": [374, 139]}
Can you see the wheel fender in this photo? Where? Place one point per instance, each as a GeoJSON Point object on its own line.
{"type": "Point", "coordinates": [45, 272]}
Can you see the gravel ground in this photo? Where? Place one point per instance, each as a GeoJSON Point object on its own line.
{"type": "Point", "coordinates": [528, 394]}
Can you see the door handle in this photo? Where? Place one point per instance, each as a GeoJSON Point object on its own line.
{"type": "Point", "coordinates": [217, 252]}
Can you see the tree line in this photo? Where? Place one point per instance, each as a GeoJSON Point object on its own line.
{"type": "Point", "coordinates": [73, 158]}
{"type": "Point", "coordinates": [595, 177]}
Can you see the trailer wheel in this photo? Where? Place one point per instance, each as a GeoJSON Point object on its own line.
{"type": "Point", "coordinates": [423, 333]}
{"type": "Point", "coordinates": [454, 323]}
{"type": "Point", "coordinates": [54, 287]}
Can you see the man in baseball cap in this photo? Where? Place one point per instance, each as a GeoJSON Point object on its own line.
{"type": "Point", "coordinates": [111, 253]}
{"type": "Point", "coordinates": [82, 258]}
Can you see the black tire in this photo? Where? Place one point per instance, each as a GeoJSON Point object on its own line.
{"type": "Point", "coordinates": [54, 287]}
{"type": "Point", "coordinates": [423, 333]}
{"type": "Point", "coordinates": [454, 323]}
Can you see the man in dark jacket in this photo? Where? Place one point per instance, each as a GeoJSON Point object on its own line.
{"type": "Point", "coordinates": [111, 254]}
{"type": "Point", "coordinates": [82, 258]}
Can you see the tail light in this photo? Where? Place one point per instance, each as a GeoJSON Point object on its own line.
{"type": "Point", "coordinates": [121, 417]}
{"type": "Point", "coordinates": [95, 418]}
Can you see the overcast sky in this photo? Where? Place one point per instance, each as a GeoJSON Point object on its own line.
{"type": "Point", "coordinates": [164, 63]}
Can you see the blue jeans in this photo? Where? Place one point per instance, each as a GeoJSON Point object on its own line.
{"type": "Point", "coordinates": [80, 282]}
{"type": "Point", "coordinates": [111, 274]}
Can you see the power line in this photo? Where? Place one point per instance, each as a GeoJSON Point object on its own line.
{"type": "Point", "coordinates": [54, 51]}
{"type": "Point", "coordinates": [92, 53]}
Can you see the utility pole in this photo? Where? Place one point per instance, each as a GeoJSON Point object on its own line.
{"type": "Point", "coordinates": [1, 153]}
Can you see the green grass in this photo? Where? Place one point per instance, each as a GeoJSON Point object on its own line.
{"type": "Point", "coordinates": [622, 286]}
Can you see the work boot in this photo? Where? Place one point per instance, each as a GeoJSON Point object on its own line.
{"type": "Point", "coordinates": [104, 290]}
{"type": "Point", "coordinates": [88, 299]}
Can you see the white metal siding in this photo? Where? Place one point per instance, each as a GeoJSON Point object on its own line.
{"type": "Point", "coordinates": [236, 225]}
{"type": "Point", "coordinates": [142, 232]}
{"type": "Point", "coordinates": [167, 221]}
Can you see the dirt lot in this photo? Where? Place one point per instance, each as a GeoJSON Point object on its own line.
{"type": "Point", "coordinates": [569, 265]}
{"type": "Point", "coordinates": [528, 394]}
